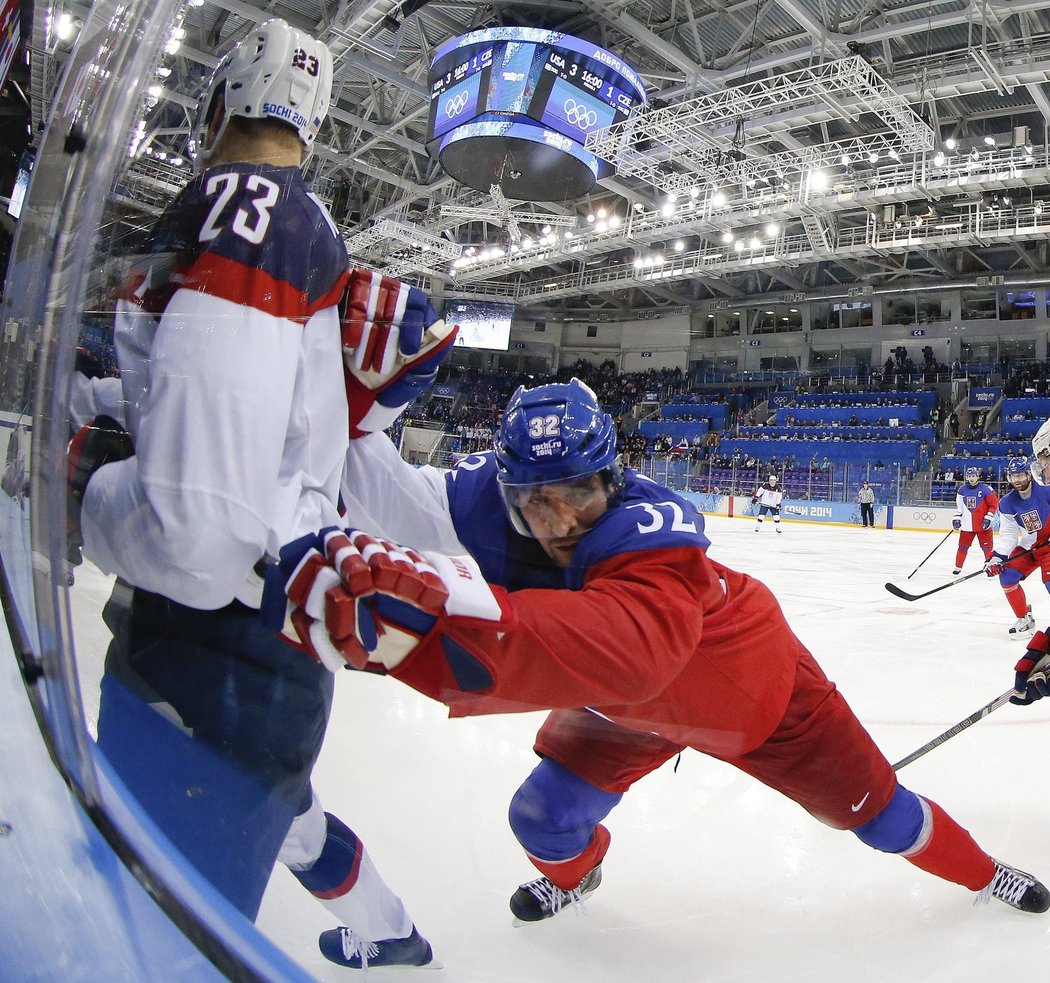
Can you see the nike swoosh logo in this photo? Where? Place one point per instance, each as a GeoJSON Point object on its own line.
{"type": "Point", "coordinates": [860, 805]}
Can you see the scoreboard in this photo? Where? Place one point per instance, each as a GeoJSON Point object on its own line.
{"type": "Point", "coordinates": [454, 97]}
{"type": "Point", "coordinates": [523, 83]}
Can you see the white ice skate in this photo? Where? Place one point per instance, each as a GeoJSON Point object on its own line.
{"type": "Point", "coordinates": [1024, 627]}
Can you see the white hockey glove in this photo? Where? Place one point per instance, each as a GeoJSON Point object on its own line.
{"type": "Point", "coordinates": [347, 598]}
{"type": "Point", "coordinates": [993, 566]}
{"type": "Point", "coordinates": [393, 343]}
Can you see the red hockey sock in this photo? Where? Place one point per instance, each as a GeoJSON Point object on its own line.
{"type": "Point", "coordinates": [1015, 595]}
{"type": "Point", "coordinates": [960, 558]}
{"type": "Point", "coordinates": [951, 852]}
{"type": "Point", "coordinates": [567, 874]}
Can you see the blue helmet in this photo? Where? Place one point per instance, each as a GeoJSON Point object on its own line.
{"type": "Point", "coordinates": [554, 433]}
{"type": "Point", "coordinates": [974, 473]}
{"type": "Point", "coordinates": [1019, 465]}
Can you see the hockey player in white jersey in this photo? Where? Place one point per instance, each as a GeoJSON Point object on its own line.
{"type": "Point", "coordinates": [768, 498]}
{"type": "Point", "coordinates": [233, 394]}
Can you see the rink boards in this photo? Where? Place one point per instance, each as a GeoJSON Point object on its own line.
{"type": "Point", "coordinates": [914, 518]}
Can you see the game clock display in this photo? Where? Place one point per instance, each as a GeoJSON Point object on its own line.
{"type": "Point", "coordinates": [524, 74]}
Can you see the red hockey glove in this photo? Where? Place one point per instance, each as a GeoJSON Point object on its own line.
{"type": "Point", "coordinates": [348, 598]}
{"type": "Point", "coordinates": [1032, 679]}
{"type": "Point", "coordinates": [99, 442]}
{"type": "Point", "coordinates": [393, 344]}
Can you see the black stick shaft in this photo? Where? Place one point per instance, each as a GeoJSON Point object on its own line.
{"type": "Point", "coordinates": [957, 729]}
{"type": "Point", "coordinates": [928, 555]}
{"type": "Point", "coordinates": [901, 593]}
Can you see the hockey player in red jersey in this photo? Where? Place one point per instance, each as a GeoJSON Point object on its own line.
{"type": "Point", "coordinates": [975, 508]}
{"type": "Point", "coordinates": [588, 589]}
{"type": "Point", "coordinates": [1023, 543]}
{"type": "Point", "coordinates": [1032, 672]}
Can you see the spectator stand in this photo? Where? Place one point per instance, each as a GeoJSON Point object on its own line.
{"type": "Point", "coordinates": [925, 400]}
{"type": "Point", "coordinates": [1021, 416]}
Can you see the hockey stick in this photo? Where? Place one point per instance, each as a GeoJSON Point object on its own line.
{"type": "Point", "coordinates": [957, 729]}
{"type": "Point", "coordinates": [928, 555]}
{"type": "Point", "coordinates": [903, 594]}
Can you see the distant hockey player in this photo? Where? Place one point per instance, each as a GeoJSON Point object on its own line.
{"type": "Point", "coordinates": [230, 346]}
{"type": "Point", "coordinates": [589, 589]}
{"type": "Point", "coordinates": [975, 508]}
{"type": "Point", "coordinates": [768, 497]}
{"type": "Point", "coordinates": [1024, 523]}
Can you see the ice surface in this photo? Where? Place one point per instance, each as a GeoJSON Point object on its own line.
{"type": "Point", "coordinates": [711, 876]}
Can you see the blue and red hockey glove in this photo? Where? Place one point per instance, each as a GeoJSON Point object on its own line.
{"type": "Point", "coordinates": [393, 344]}
{"type": "Point", "coordinates": [351, 599]}
{"type": "Point", "coordinates": [1032, 679]}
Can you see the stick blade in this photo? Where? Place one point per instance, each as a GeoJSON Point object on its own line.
{"type": "Point", "coordinates": [903, 594]}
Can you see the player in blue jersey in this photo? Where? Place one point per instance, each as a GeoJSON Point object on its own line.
{"type": "Point", "coordinates": [1032, 672]}
{"type": "Point", "coordinates": [588, 589]}
{"type": "Point", "coordinates": [1024, 526]}
{"type": "Point", "coordinates": [230, 348]}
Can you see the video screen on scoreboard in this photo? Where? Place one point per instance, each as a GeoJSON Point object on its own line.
{"type": "Point", "coordinates": [456, 105]}
{"type": "Point", "coordinates": [458, 95]}
{"type": "Point", "coordinates": [482, 324]}
{"type": "Point", "coordinates": [575, 113]}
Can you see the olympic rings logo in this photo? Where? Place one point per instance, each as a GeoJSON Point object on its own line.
{"type": "Point", "coordinates": [926, 517]}
{"type": "Point", "coordinates": [579, 115]}
{"type": "Point", "coordinates": [456, 104]}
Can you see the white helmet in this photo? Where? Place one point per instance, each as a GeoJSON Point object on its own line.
{"type": "Point", "coordinates": [1041, 441]}
{"type": "Point", "coordinates": [276, 72]}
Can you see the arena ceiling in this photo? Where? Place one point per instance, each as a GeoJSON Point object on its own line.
{"type": "Point", "coordinates": [792, 147]}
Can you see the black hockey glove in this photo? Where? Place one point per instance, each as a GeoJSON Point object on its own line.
{"type": "Point", "coordinates": [99, 442]}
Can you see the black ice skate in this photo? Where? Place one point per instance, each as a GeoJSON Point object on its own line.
{"type": "Point", "coordinates": [540, 899]}
{"type": "Point", "coordinates": [1018, 889]}
{"type": "Point", "coordinates": [346, 948]}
